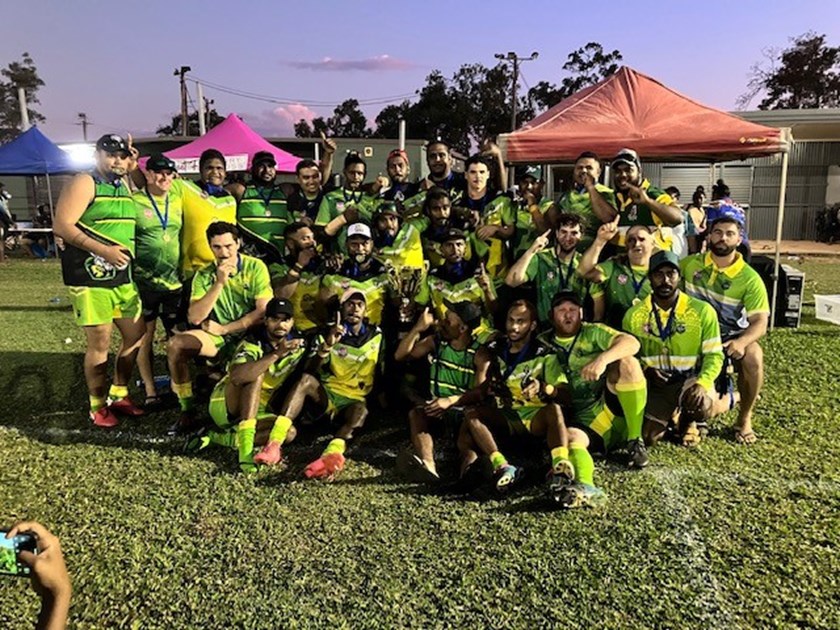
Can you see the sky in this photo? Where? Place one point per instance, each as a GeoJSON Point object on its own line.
{"type": "Point", "coordinates": [115, 60]}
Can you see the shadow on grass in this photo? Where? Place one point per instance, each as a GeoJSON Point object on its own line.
{"type": "Point", "coordinates": [35, 309]}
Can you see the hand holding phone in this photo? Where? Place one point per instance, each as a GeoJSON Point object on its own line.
{"type": "Point", "coordinates": [11, 547]}
{"type": "Point", "coordinates": [45, 560]}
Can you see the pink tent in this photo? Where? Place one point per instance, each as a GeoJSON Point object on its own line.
{"type": "Point", "coordinates": [237, 142]}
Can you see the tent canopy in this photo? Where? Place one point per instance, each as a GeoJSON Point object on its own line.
{"type": "Point", "coordinates": [630, 109]}
{"type": "Point", "coordinates": [237, 142]}
{"type": "Point", "coordinates": [32, 153]}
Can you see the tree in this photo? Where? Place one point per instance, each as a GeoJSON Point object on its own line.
{"type": "Point", "coordinates": [586, 66]}
{"type": "Point", "coordinates": [347, 121]}
{"type": "Point", "coordinates": [806, 75]}
{"type": "Point", "coordinates": [17, 74]}
{"type": "Point", "coordinates": [174, 129]}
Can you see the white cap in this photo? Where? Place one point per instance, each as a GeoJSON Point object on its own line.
{"type": "Point", "coordinates": [359, 229]}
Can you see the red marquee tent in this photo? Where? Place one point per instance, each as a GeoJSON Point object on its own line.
{"type": "Point", "coordinates": [630, 109]}
{"type": "Point", "coordinates": [237, 142]}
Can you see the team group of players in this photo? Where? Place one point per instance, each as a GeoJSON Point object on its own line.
{"type": "Point", "coordinates": [477, 313]}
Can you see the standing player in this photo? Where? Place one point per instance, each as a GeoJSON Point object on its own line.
{"type": "Point", "coordinates": [350, 199]}
{"type": "Point", "coordinates": [227, 298]}
{"type": "Point", "coordinates": [96, 219]}
{"type": "Point", "coordinates": [722, 278]}
{"type": "Point", "coordinates": [156, 266]}
{"type": "Point", "coordinates": [339, 377]}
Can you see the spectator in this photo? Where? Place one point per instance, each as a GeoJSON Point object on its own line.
{"type": "Point", "coordinates": [721, 206]}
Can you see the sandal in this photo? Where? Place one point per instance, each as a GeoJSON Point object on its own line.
{"type": "Point", "coordinates": [745, 439]}
{"type": "Point", "coordinates": [691, 436]}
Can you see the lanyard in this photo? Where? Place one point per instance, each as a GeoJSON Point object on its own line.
{"type": "Point", "coordinates": [567, 354]}
{"type": "Point", "coordinates": [352, 196]}
{"type": "Point", "coordinates": [565, 281]}
{"type": "Point", "coordinates": [510, 366]}
{"type": "Point", "coordinates": [163, 218]}
{"type": "Point", "coordinates": [664, 333]}
{"type": "Point", "coordinates": [266, 199]}
{"type": "Point", "coordinates": [637, 286]}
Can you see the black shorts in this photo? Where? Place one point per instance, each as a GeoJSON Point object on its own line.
{"type": "Point", "coordinates": [163, 304]}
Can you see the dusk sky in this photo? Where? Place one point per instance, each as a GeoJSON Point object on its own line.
{"type": "Point", "coordinates": [115, 61]}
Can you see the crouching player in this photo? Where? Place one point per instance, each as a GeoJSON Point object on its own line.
{"type": "Point", "coordinates": [338, 378]}
{"type": "Point", "coordinates": [524, 379]}
{"type": "Point", "coordinates": [261, 365]}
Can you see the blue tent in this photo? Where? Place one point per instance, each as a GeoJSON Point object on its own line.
{"type": "Point", "coordinates": [32, 153]}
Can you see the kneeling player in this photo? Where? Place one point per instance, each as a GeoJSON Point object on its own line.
{"type": "Point", "coordinates": [339, 377]}
{"type": "Point", "coordinates": [262, 363]}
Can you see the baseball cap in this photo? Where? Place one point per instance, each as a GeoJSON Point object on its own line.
{"type": "Point", "coordinates": [529, 170]}
{"type": "Point", "coordinates": [468, 312]}
{"type": "Point", "coordinates": [565, 296]}
{"type": "Point", "coordinates": [112, 143]}
{"type": "Point", "coordinates": [159, 162]}
{"type": "Point", "coordinates": [351, 293]}
{"type": "Point", "coordinates": [386, 207]}
{"type": "Point", "coordinates": [627, 156]}
{"type": "Point", "coordinates": [263, 157]}
{"type": "Point", "coordinates": [660, 259]}
{"type": "Point", "coordinates": [358, 229]}
{"type": "Point", "coordinates": [728, 212]}
{"type": "Point", "coordinates": [454, 234]}
{"type": "Point", "coordinates": [279, 306]}
{"type": "Point", "coordinates": [397, 153]}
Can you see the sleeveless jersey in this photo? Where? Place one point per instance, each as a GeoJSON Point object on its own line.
{"type": "Point", "coordinates": [452, 371]}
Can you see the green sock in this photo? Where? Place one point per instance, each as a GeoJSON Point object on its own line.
{"type": "Point", "coordinates": [498, 460]}
{"type": "Point", "coordinates": [582, 461]}
{"type": "Point", "coordinates": [336, 445]}
{"type": "Point", "coordinates": [96, 403]}
{"type": "Point", "coordinates": [184, 392]}
{"type": "Point", "coordinates": [246, 431]}
{"type": "Point", "coordinates": [118, 392]}
{"type": "Point", "coordinates": [633, 398]}
{"type": "Point", "coordinates": [223, 438]}
{"type": "Point", "coordinates": [558, 454]}
{"type": "Point", "coordinates": [280, 429]}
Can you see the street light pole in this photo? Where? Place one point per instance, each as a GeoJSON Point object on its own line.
{"type": "Point", "coordinates": [515, 60]}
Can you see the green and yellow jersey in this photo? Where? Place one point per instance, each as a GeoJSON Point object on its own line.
{"type": "Point", "coordinates": [109, 218]}
{"type": "Point", "coordinates": [201, 207]}
{"type": "Point", "coordinates": [451, 372]}
{"type": "Point", "coordinates": [550, 276]}
{"type": "Point", "coordinates": [238, 297]}
{"type": "Point", "coordinates": [306, 295]}
{"type": "Point", "coordinates": [517, 369]}
{"type": "Point", "coordinates": [350, 368]}
{"type": "Point", "coordinates": [526, 231]}
{"type": "Point", "coordinates": [262, 215]}
{"type": "Point", "coordinates": [624, 285]}
{"type": "Point", "coordinates": [373, 282]}
{"type": "Point", "coordinates": [683, 341]}
{"type": "Point", "coordinates": [432, 239]}
{"type": "Point", "coordinates": [334, 203]}
{"type": "Point", "coordinates": [631, 213]}
{"type": "Point", "coordinates": [405, 251]}
{"type": "Point", "coordinates": [158, 239]}
{"type": "Point", "coordinates": [735, 292]}
{"type": "Point", "coordinates": [493, 210]}
{"type": "Point", "coordinates": [577, 201]}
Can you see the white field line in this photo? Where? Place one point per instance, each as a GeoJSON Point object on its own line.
{"type": "Point", "coordinates": [711, 603]}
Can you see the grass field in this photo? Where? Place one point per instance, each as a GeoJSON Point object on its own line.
{"type": "Point", "coordinates": [720, 537]}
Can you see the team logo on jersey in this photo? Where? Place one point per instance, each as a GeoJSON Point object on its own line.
{"type": "Point", "coordinates": [549, 275]}
{"type": "Point", "coordinates": [698, 274]}
{"type": "Point", "coordinates": [148, 214]}
{"type": "Point", "coordinates": [680, 328]}
{"type": "Point", "coordinates": [99, 269]}
{"type": "Point", "coordinates": [725, 284]}
{"type": "Point", "coordinates": [622, 278]}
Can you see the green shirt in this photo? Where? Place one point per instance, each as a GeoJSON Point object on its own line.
{"type": "Point", "coordinates": [496, 211]}
{"type": "Point", "coordinates": [451, 371]}
{"type": "Point", "coordinates": [526, 231]}
{"type": "Point", "coordinates": [551, 276]}
{"type": "Point", "coordinates": [239, 296]}
{"type": "Point", "coordinates": [573, 353]}
{"type": "Point", "coordinates": [684, 341]}
{"type": "Point", "coordinates": [158, 259]}
{"type": "Point", "coordinates": [517, 370]}
{"type": "Point", "coordinates": [262, 215]}
{"type": "Point", "coordinates": [374, 283]}
{"type": "Point", "coordinates": [631, 213]}
{"type": "Point", "coordinates": [200, 210]}
{"type": "Point", "coordinates": [735, 292]}
{"type": "Point", "coordinates": [306, 295]}
{"type": "Point", "coordinates": [350, 368]}
{"type": "Point", "coordinates": [623, 285]}
{"type": "Point", "coordinates": [255, 347]}
{"type": "Point", "coordinates": [578, 202]}
{"type": "Point", "coordinates": [334, 203]}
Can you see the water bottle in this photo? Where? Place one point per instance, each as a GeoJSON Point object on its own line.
{"type": "Point", "coordinates": [163, 383]}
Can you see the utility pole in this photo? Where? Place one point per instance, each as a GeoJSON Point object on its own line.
{"type": "Point", "coordinates": [184, 121]}
{"type": "Point", "coordinates": [24, 110]}
{"type": "Point", "coordinates": [514, 59]}
{"type": "Point", "coordinates": [83, 121]}
{"type": "Point", "coordinates": [202, 123]}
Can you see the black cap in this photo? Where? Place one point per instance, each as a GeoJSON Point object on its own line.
{"type": "Point", "coordinates": [263, 157]}
{"type": "Point", "coordinates": [454, 234]}
{"type": "Point", "coordinates": [660, 259]}
{"type": "Point", "coordinates": [565, 296]}
{"type": "Point", "coordinates": [468, 312]}
{"type": "Point", "coordinates": [627, 156]}
{"type": "Point", "coordinates": [386, 207]}
{"type": "Point", "coordinates": [279, 306]}
{"type": "Point", "coordinates": [159, 162]}
{"type": "Point", "coordinates": [112, 143]}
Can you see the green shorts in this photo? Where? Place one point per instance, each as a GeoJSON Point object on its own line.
{"type": "Point", "coordinates": [93, 306]}
{"type": "Point", "coordinates": [600, 420]}
{"type": "Point", "coordinates": [519, 419]}
{"type": "Point", "coordinates": [218, 409]}
{"type": "Point", "coordinates": [336, 402]}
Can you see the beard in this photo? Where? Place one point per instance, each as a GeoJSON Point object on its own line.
{"type": "Point", "coordinates": [722, 249]}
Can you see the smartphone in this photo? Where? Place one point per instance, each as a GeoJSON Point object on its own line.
{"type": "Point", "coordinates": [10, 548]}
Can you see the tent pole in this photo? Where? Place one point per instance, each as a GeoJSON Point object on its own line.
{"type": "Point", "coordinates": [779, 223]}
{"type": "Point", "coordinates": [52, 211]}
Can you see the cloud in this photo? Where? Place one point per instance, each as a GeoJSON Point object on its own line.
{"type": "Point", "coordinates": [279, 121]}
{"type": "Point", "coordinates": [372, 64]}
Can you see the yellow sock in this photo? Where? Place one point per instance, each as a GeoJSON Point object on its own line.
{"type": "Point", "coordinates": [118, 392]}
{"type": "Point", "coordinates": [336, 445]}
{"type": "Point", "coordinates": [559, 454]}
{"type": "Point", "coordinates": [280, 429]}
{"type": "Point", "coordinates": [184, 393]}
{"type": "Point", "coordinates": [498, 460]}
{"type": "Point", "coordinates": [96, 402]}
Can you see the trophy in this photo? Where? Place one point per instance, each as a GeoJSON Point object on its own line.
{"type": "Point", "coordinates": [406, 282]}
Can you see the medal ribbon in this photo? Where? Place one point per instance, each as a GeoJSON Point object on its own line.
{"type": "Point", "coordinates": [163, 218]}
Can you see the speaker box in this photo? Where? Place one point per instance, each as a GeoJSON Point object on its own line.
{"type": "Point", "coordinates": [790, 292]}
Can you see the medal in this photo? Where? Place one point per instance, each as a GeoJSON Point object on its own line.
{"type": "Point", "coordinates": [163, 218]}
{"type": "Point", "coordinates": [268, 212]}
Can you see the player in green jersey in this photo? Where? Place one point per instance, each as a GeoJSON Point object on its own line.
{"type": "Point", "coordinates": [240, 403]}
{"type": "Point", "coordinates": [681, 354]}
{"type": "Point", "coordinates": [624, 277]}
{"type": "Point", "coordinates": [400, 189]}
{"type": "Point", "coordinates": [556, 269]}
{"type": "Point", "coordinates": [640, 203]}
{"type": "Point", "coordinates": [603, 376]}
{"type": "Point", "coordinates": [434, 226]}
{"type": "Point", "coordinates": [530, 206]}
{"type": "Point", "coordinates": [338, 378]}
{"type": "Point", "coordinates": [160, 217]}
{"type": "Point", "coordinates": [722, 278]}
{"type": "Point", "coordinates": [227, 298]}
{"type": "Point", "coordinates": [345, 206]}
{"type": "Point", "coordinates": [95, 217]}
{"type": "Point", "coordinates": [458, 363]}
{"type": "Point", "coordinates": [298, 279]}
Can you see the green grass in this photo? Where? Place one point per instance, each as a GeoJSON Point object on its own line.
{"type": "Point", "coordinates": [719, 537]}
